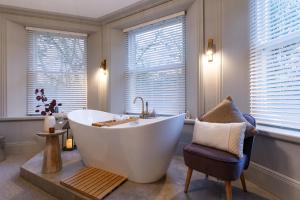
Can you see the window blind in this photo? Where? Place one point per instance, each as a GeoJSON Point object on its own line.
{"type": "Point", "coordinates": [57, 63]}
{"type": "Point", "coordinates": [156, 67]}
{"type": "Point", "coordinates": [275, 62]}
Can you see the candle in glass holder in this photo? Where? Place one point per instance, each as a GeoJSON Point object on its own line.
{"type": "Point", "coordinates": [69, 143]}
{"type": "Point", "coordinates": [52, 130]}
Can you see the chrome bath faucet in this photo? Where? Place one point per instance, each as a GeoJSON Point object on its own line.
{"type": "Point", "coordinates": [143, 114]}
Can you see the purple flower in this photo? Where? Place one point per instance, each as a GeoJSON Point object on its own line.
{"type": "Point", "coordinates": [48, 108]}
{"type": "Point", "coordinates": [53, 103]}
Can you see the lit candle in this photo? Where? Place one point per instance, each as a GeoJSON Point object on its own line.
{"type": "Point", "coordinates": [69, 143]}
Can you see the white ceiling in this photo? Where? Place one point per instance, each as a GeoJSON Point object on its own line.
{"type": "Point", "coordinates": [82, 8]}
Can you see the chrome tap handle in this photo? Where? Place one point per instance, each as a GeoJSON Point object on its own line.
{"type": "Point", "coordinates": [147, 111]}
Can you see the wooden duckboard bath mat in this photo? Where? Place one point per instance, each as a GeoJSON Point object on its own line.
{"type": "Point", "coordinates": [93, 183]}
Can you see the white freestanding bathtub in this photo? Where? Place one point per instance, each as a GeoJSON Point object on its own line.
{"type": "Point", "coordinates": [140, 150]}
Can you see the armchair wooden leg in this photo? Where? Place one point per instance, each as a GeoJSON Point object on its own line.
{"type": "Point", "coordinates": [243, 182]}
{"type": "Point", "coordinates": [228, 190]}
{"type": "Point", "coordinates": [188, 179]}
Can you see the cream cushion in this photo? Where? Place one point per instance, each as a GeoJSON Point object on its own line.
{"type": "Point", "coordinates": [228, 112]}
{"type": "Point", "coordinates": [224, 136]}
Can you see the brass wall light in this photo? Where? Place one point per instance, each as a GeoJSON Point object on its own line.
{"type": "Point", "coordinates": [103, 66]}
{"type": "Point", "coordinates": [210, 50]}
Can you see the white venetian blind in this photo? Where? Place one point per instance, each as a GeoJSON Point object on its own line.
{"type": "Point", "coordinates": [156, 67]}
{"type": "Point", "coordinates": [275, 62]}
{"type": "Point", "coordinates": [57, 63]}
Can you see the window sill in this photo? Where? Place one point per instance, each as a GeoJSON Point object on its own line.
{"type": "Point", "coordinates": [281, 134]}
{"type": "Point", "coordinates": [189, 121]}
{"type": "Point", "coordinates": [24, 118]}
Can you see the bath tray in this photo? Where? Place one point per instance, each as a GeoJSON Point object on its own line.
{"type": "Point", "coordinates": [115, 122]}
{"type": "Point", "coordinates": [93, 183]}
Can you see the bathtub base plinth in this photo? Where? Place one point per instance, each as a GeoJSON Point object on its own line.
{"type": "Point", "coordinates": [31, 171]}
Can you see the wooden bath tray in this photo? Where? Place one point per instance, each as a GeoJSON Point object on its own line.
{"type": "Point", "coordinates": [115, 122]}
{"type": "Point", "coordinates": [93, 183]}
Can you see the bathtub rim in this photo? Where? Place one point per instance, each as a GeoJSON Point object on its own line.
{"type": "Point", "coordinates": [163, 118]}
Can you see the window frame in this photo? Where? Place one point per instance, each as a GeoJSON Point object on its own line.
{"type": "Point", "coordinates": [82, 73]}
{"type": "Point", "coordinates": [271, 50]}
{"type": "Point", "coordinates": [151, 27]}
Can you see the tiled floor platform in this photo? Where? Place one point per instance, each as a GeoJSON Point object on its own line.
{"type": "Point", "coordinates": [12, 187]}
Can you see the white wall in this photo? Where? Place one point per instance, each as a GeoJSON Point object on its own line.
{"type": "Point", "coordinates": [117, 66]}
{"type": "Point", "coordinates": [94, 59]}
{"type": "Point", "coordinates": [235, 52]}
{"type": "Point", "coordinates": [194, 51]}
{"type": "Point", "coordinates": [275, 166]}
{"type": "Point", "coordinates": [16, 69]}
{"type": "Point", "coordinates": [211, 71]}
{"type": "Point", "coordinates": [3, 74]}
{"type": "Point", "coordinates": [226, 22]}
{"type": "Point", "coordinates": [20, 136]}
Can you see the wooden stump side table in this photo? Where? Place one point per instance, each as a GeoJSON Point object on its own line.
{"type": "Point", "coordinates": [52, 159]}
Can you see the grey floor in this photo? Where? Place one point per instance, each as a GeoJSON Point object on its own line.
{"type": "Point", "coordinates": [12, 187]}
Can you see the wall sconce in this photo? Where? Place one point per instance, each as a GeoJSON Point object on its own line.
{"type": "Point", "coordinates": [210, 50]}
{"type": "Point", "coordinates": [103, 66]}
